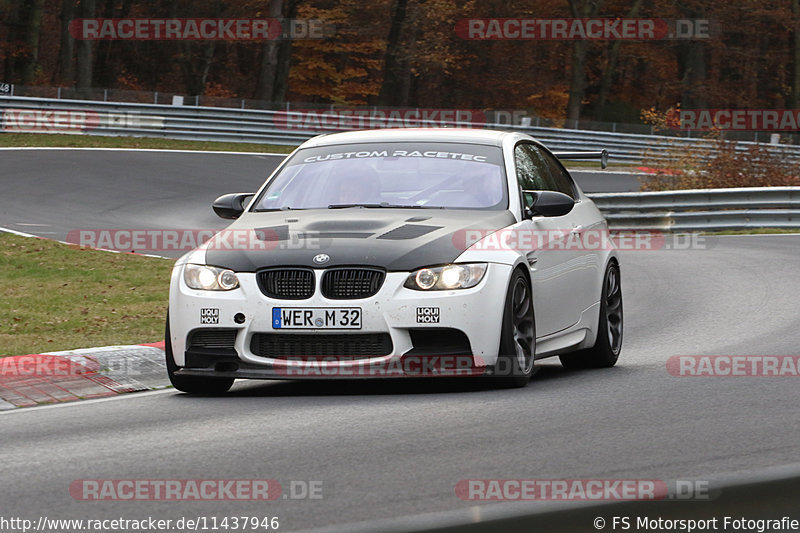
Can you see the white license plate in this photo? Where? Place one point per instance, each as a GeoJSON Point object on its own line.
{"type": "Point", "coordinates": [316, 318]}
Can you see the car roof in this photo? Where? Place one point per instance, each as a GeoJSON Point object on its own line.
{"type": "Point", "coordinates": [450, 135]}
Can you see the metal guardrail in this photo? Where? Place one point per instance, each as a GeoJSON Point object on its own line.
{"type": "Point", "coordinates": [702, 209]}
{"type": "Point", "coordinates": [264, 126]}
{"type": "Point", "coordinates": [101, 94]}
{"type": "Point", "coordinates": [638, 148]}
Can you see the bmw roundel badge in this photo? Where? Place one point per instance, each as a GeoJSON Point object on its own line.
{"type": "Point", "coordinates": [321, 259]}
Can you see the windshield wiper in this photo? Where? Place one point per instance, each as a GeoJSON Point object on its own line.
{"type": "Point", "coordinates": [282, 208]}
{"type": "Point", "coordinates": [345, 206]}
{"type": "Point", "coordinates": [374, 206]}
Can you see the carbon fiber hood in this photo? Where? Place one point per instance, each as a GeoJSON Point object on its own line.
{"type": "Point", "coordinates": [394, 239]}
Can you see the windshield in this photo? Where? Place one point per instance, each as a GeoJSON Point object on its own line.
{"type": "Point", "coordinates": [390, 175]}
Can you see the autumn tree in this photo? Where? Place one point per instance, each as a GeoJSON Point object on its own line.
{"type": "Point", "coordinates": [408, 53]}
{"type": "Point", "coordinates": [577, 85]}
{"type": "Point", "coordinates": [83, 79]}
{"type": "Point", "coordinates": [396, 85]}
{"type": "Point", "coordinates": [345, 67]}
{"type": "Point", "coordinates": [273, 73]}
{"type": "Point", "coordinates": [65, 68]}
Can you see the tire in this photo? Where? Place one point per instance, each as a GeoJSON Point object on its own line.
{"type": "Point", "coordinates": [515, 363]}
{"type": "Point", "coordinates": [192, 384]}
{"type": "Point", "coordinates": [605, 352]}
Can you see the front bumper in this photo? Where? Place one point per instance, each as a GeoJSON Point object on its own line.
{"type": "Point", "coordinates": [473, 315]}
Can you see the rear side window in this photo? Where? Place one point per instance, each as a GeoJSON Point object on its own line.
{"type": "Point", "coordinates": [532, 171]}
{"type": "Point", "coordinates": [561, 178]}
{"type": "Point", "coordinates": [538, 170]}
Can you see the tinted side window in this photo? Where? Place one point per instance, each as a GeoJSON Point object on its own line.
{"type": "Point", "coordinates": [532, 171]}
{"type": "Point", "coordinates": [561, 179]}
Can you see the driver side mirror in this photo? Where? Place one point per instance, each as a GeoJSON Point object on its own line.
{"type": "Point", "coordinates": [231, 205]}
{"type": "Point", "coordinates": [546, 203]}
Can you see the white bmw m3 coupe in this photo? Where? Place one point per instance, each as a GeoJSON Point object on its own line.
{"type": "Point", "coordinates": [408, 252]}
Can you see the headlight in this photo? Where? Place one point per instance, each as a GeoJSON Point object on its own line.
{"type": "Point", "coordinates": [209, 278]}
{"type": "Point", "coordinates": [446, 277]}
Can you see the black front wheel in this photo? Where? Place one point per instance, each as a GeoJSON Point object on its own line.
{"type": "Point", "coordinates": [605, 352]}
{"type": "Point", "coordinates": [192, 384]}
{"type": "Point", "coordinates": [515, 366]}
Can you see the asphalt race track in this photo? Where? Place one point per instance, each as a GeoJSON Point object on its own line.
{"type": "Point", "coordinates": [398, 449]}
{"type": "Point", "coordinates": [50, 192]}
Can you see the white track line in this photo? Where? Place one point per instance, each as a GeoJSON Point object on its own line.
{"type": "Point", "coordinates": [29, 235]}
{"type": "Point", "coordinates": [21, 234]}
